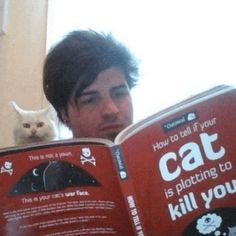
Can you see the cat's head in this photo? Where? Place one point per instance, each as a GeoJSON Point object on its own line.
{"type": "Point", "coordinates": [33, 125]}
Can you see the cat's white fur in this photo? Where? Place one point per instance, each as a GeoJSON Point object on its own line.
{"type": "Point", "coordinates": [34, 125]}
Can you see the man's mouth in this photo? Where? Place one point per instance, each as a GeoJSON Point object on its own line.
{"type": "Point", "coordinates": [112, 127]}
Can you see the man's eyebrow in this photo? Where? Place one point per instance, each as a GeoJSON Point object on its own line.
{"type": "Point", "coordinates": [122, 86]}
{"type": "Point", "coordinates": [95, 92]}
{"type": "Point", "coordinates": [92, 92]}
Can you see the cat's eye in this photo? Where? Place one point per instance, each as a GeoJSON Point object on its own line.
{"type": "Point", "coordinates": [26, 125]}
{"type": "Point", "coordinates": [40, 124]}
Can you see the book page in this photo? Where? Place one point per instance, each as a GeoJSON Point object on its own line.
{"type": "Point", "coordinates": [61, 189]}
{"type": "Point", "coordinates": [183, 169]}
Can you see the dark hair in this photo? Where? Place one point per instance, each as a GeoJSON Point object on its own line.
{"type": "Point", "coordinates": [74, 63]}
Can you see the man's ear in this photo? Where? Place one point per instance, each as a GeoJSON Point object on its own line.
{"type": "Point", "coordinates": [65, 118]}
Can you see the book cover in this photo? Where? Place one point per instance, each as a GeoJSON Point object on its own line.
{"type": "Point", "coordinates": [61, 189]}
{"type": "Point", "coordinates": [183, 167]}
{"type": "Point", "coordinates": [171, 174]}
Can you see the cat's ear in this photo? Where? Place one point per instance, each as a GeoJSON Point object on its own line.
{"type": "Point", "coordinates": [50, 112]}
{"type": "Point", "coordinates": [45, 111]}
{"type": "Point", "coordinates": [16, 108]}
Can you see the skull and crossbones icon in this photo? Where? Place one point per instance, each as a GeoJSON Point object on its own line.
{"type": "Point", "coordinates": [86, 157]}
{"type": "Point", "coordinates": [7, 167]}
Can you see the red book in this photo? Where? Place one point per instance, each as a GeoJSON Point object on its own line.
{"type": "Point", "coordinates": [173, 174]}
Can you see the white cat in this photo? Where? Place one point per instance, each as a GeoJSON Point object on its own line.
{"type": "Point", "coordinates": [34, 125]}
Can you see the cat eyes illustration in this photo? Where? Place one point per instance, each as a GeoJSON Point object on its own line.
{"type": "Point", "coordinates": [53, 176]}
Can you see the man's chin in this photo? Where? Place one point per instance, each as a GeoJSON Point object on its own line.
{"type": "Point", "coordinates": [110, 133]}
{"type": "Point", "coordinates": [110, 136]}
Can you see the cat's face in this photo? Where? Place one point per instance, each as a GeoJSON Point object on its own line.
{"type": "Point", "coordinates": [33, 126]}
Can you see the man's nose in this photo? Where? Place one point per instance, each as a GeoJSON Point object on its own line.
{"type": "Point", "coordinates": [110, 107]}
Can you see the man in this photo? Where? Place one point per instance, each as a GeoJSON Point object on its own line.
{"type": "Point", "coordinates": [87, 78]}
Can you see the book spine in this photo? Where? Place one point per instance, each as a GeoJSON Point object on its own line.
{"type": "Point", "coordinates": [128, 192]}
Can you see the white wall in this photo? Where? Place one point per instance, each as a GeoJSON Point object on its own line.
{"type": "Point", "coordinates": [22, 51]}
{"type": "Point", "coordinates": [184, 46]}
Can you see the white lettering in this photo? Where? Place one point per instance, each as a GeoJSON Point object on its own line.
{"type": "Point", "coordinates": [191, 156]}
{"type": "Point", "coordinates": [167, 175]}
{"type": "Point", "coordinates": [207, 141]}
{"type": "Point", "coordinates": [219, 191]}
{"type": "Point", "coordinates": [193, 159]}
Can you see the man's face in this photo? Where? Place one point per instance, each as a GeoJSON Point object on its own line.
{"type": "Point", "coordinates": [104, 108]}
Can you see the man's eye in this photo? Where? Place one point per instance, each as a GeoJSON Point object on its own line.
{"type": "Point", "coordinates": [120, 93]}
{"type": "Point", "coordinates": [88, 101]}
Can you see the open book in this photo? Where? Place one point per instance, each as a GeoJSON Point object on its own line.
{"type": "Point", "coordinates": [173, 174]}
